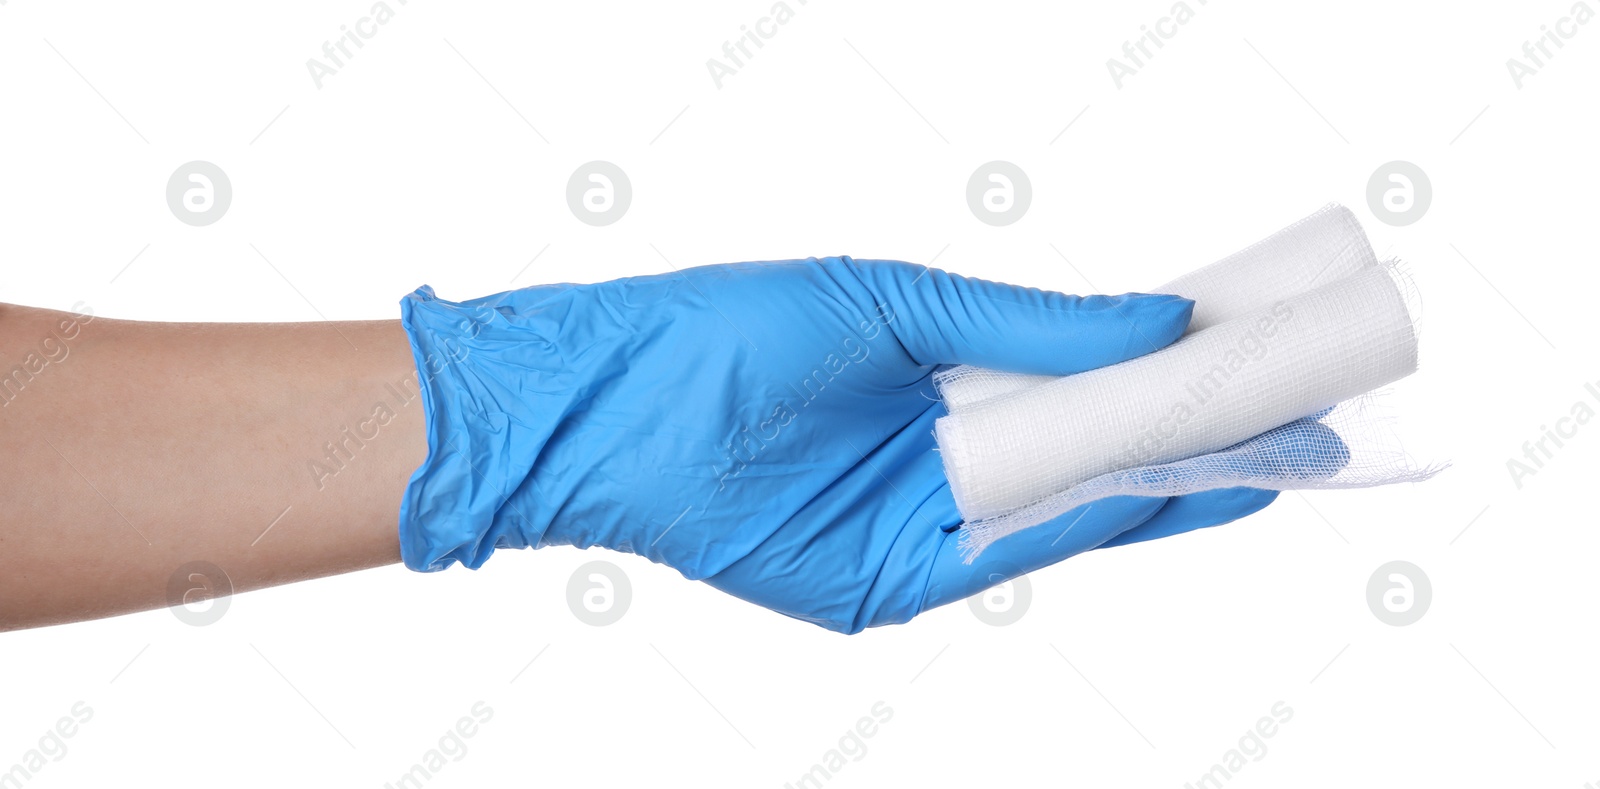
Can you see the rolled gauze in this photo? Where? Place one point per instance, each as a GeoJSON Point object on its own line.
{"type": "Point", "coordinates": [1326, 246]}
{"type": "Point", "coordinates": [1024, 451]}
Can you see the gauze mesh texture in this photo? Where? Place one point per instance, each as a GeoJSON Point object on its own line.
{"type": "Point", "coordinates": [1326, 246]}
{"type": "Point", "coordinates": [1348, 446]}
{"type": "Point", "coordinates": [1271, 396]}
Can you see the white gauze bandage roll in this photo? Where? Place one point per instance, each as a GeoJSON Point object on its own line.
{"type": "Point", "coordinates": [1326, 246]}
{"type": "Point", "coordinates": [1211, 389]}
{"type": "Point", "coordinates": [1272, 395]}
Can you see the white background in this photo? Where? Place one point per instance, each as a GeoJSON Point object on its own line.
{"type": "Point", "coordinates": [440, 154]}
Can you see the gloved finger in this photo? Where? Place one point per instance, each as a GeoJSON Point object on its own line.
{"type": "Point", "coordinates": [1030, 549]}
{"type": "Point", "coordinates": [1303, 449]}
{"type": "Point", "coordinates": [1196, 511]}
{"type": "Point", "coordinates": [944, 318]}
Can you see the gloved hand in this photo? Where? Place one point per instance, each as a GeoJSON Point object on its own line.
{"type": "Point", "coordinates": [764, 427]}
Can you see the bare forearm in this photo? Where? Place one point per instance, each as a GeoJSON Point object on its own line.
{"type": "Point", "coordinates": [276, 452]}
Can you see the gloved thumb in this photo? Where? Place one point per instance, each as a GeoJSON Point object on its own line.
{"type": "Point", "coordinates": [943, 318]}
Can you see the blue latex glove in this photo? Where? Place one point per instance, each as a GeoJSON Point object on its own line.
{"type": "Point", "coordinates": [764, 427]}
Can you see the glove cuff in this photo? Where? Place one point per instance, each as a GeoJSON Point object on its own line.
{"type": "Point", "coordinates": [465, 500]}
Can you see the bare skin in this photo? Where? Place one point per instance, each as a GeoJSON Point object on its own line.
{"type": "Point", "coordinates": [277, 452]}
